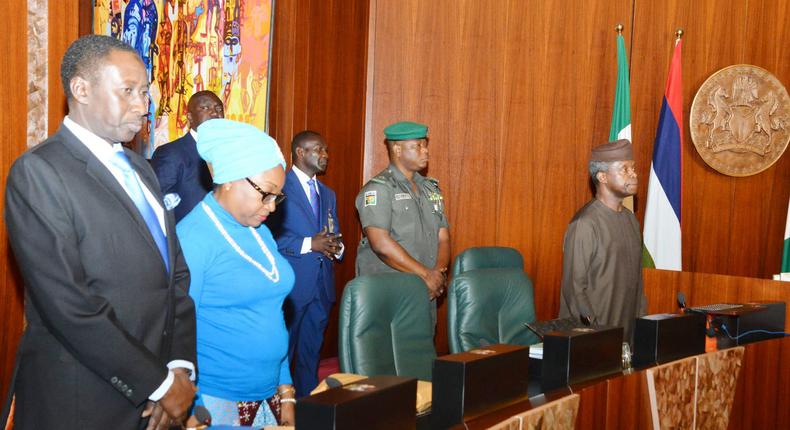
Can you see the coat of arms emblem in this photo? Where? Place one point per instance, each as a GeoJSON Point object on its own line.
{"type": "Point", "coordinates": [740, 120]}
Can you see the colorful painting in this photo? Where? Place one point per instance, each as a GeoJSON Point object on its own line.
{"type": "Point", "coordinates": [192, 45]}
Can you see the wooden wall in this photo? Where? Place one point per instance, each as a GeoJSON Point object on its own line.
{"type": "Point", "coordinates": [517, 92]}
{"type": "Point", "coordinates": [732, 226]}
{"type": "Point", "coordinates": [13, 97]}
{"type": "Point", "coordinates": [318, 83]}
{"type": "Point", "coordinates": [64, 25]}
{"type": "Point", "coordinates": [662, 286]}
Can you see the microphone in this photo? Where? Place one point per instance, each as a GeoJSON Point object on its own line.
{"type": "Point", "coordinates": [202, 415]}
{"type": "Point", "coordinates": [332, 382]}
{"type": "Point", "coordinates": [685, 309]}
{"type": "Point", "coordinates": [585, 314]}
{"type": "Point", "coordinates": [682, 301]}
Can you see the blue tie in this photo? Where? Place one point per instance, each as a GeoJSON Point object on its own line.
{"type": "Point", "coordinates": [135, 191]}
{"type": "Point", "coordinates": [314, 199]}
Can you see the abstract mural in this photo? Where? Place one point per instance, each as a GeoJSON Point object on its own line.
{"type": "Point", "coordinates": [194, 45]}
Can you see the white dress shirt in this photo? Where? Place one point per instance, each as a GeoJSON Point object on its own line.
{"type": "Point", "coordinates": [307, 243]}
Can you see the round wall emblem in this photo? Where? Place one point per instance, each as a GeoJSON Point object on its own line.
{"type": "Point", "coordinates": [740, 120]}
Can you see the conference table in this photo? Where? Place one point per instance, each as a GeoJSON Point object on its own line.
{"type": "Point", "coordinates": [619, 401]}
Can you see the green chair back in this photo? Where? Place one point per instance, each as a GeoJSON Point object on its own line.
{"type": "Point", "coordinates": [489, 306]}
{"type": "Point", "coordinates": [487, 257]}
{"type": "Point", "coordinates": [386, 327]}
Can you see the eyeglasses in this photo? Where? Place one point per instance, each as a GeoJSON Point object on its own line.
{"type": "Point", "coordinates": [267, 198]}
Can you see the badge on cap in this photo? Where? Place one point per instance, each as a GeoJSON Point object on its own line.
{"type": "Point", "coordinates": [370, 198]}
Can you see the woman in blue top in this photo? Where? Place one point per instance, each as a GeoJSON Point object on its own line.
{"type": "Point", "coordinates": [239, 280]}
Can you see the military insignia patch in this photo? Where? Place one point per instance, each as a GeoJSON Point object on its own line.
{"type": "Point", "coordinates": [370, 198]}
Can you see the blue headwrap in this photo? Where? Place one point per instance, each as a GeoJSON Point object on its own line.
{"type": "Point", "coordinates": [236, 150]}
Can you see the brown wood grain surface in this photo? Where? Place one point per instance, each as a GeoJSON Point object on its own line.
{"type": "Point", "coordinates": [730, 225]}
{"type": "Point", "coordinates": [662, 286]}
{"type": "Point", "coordinates": [318, 83]}
{"type": "Point", "coordinates": [63, 28]}
{"type": "Point", "coordinates": [620, 401]}
{"type": "Point", "coordinates": [13, 100]}
{"type": "Point", "coordinates": [516, 93]}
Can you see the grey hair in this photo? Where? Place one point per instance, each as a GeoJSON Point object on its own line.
{"type": "Point", "coordinates": [598, 166]}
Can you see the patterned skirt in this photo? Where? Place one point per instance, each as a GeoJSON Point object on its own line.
{"type": "Point", "coordinates": [239, 413]}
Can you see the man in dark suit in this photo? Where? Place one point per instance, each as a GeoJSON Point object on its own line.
{"type": "Point", "coordinates": [307, 234]}
{"type": "Point", "coordinates": [183, 176]}
{"type": "Point", "coordinates": [110, 336]}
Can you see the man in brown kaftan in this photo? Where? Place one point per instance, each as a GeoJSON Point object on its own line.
{"type": "Point", "coordinates": [602, 250]}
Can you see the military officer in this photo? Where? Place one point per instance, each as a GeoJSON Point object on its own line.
{"type": "Point", "coordinates": [402, 213]}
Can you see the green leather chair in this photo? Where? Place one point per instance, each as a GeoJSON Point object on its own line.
{"type": "Point", "coordinates": [487, 257]}
{"type": "Point", "coordinates": [488, 306]}
{"type": "Point", "coordinates": [386, 327]}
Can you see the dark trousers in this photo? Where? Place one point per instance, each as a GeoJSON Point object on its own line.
{"type": "Point", "coordinates": [306, 325]}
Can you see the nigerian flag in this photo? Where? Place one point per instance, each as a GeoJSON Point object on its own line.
{"type": "Point", "coordinates": [621, 114]}
{"type": "Point", "coordinates": [786, 256]}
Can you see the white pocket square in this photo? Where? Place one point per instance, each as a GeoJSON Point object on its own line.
{"type": "Point", "coordinates": [171, 200]}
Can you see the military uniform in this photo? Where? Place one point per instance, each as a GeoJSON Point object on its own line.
{"type": "Point", "coordinates": [413, 219]}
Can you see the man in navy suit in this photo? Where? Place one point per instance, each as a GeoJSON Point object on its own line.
{"type": "Point", "coordinates": [183, 176]}
{"type": "Point", "coordinates": [307, 234]}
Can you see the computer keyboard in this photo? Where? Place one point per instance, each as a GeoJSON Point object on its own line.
{"type": "Point", "coordinates": [561, 324]}
{"type": "Point", "coordinates": [717, 307]}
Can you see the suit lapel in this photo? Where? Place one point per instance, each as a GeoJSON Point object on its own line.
{"type": "Point", "coordinates": [99, 172]}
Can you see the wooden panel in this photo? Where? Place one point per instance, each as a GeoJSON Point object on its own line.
{"type": "Point", "coordinates": [63, 28]}
{"type": "Point", "coordinates": [13, 96]}
{"type": "Point", "coordinates": [730, 225]}
{"type": "Point", "coordinates": [662, 286]}
{"type": "Point", "coordinates": [318, 83]}
{"type": "Point", "coordinates": [516, 93]}
{"type": "Point", "coordinates": [542, 163]}
{"type": "Point", "coordinates": [499, 84]}
{"type": "Point", "coordinates": [762, 396]}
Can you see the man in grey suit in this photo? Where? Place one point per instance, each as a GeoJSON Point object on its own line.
{"type": "Point", "coordinates": [110, 337]}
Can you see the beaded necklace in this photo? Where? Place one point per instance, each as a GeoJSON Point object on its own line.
{"type": "Point", "coordinates": [274, 274]}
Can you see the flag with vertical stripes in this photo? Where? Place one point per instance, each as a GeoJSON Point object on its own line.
{"type": "Point", "coordinates": [662, 214]}
{"type": "Point", "coordinates": [621, 114]}
{"type": "Point", "coordinates": [786, 255]}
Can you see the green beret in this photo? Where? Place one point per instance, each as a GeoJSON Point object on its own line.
{"type": "Point", "coordinates": [406, 130]}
